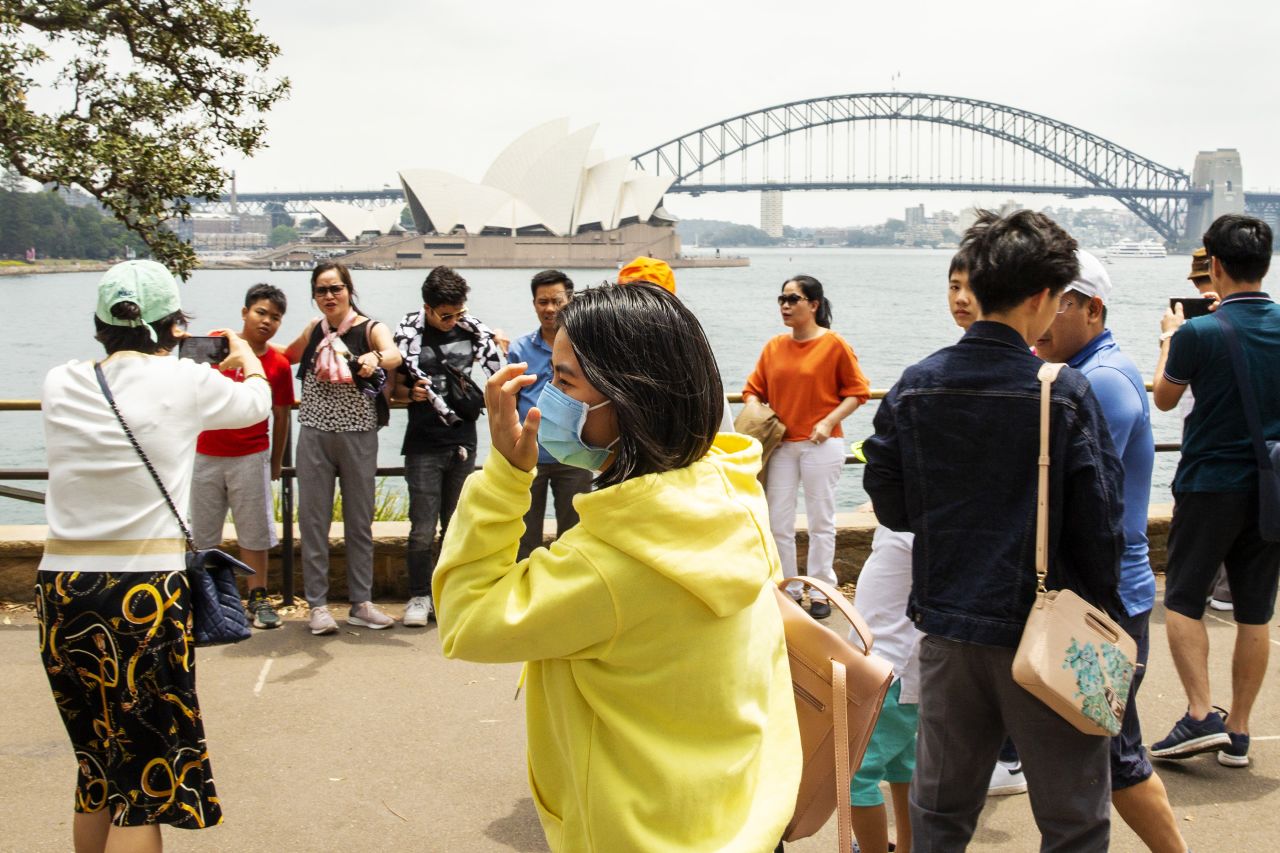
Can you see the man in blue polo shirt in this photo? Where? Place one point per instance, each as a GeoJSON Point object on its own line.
{"type": "Point", "coordinates": [1080, 338]}
{"type": "Point", "coordinates": [552, 290]}
{"type": "Point", "coordinates": [1215, 511]}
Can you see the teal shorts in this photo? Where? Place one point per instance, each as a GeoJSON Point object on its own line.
{"type": "Point", "coordinates": [891, 755]}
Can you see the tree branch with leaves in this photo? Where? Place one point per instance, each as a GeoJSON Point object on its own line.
{"type": "Point", "coordinates": [145, 96]}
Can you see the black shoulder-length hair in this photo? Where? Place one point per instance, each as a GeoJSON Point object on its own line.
{"type": "Point", "coordinates": [136, 338]}
{"type": "Point", "coordinates": [644, 350]}
{"type": "Point", "coordinates": [812, 290]}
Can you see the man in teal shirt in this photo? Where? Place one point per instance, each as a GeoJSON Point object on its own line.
{"type": "Point", "coordinates": [1215, 513]}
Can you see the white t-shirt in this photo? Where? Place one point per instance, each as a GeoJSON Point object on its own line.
{"type": "Point", "coordinates": [104, 510]}
{"type": "Point", "coordinates": [881, 599]}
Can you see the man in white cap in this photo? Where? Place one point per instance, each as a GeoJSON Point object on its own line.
{"type": "Point", "coordinates": [1080, 338]}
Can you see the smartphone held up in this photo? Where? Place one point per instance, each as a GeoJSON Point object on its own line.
{"type": "Point", "coordinates": [1192, 306]}
{"type": "Point", "coordinates": [205, 350]}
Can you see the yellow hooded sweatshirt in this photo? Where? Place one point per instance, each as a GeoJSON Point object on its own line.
{"type": "Point", "coordinates": [659, 707]}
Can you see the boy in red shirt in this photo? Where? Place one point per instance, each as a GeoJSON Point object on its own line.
{"type": "Point", "coordinates": [235, 467]}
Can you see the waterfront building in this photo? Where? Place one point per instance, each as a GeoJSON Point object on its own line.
{"type": "Point", "coordinates": [771, 213]}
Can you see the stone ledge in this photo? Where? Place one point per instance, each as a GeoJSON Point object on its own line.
{"type": "Point", "coordinates": [21, 547]}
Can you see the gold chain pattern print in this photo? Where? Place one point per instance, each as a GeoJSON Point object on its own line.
{"type": "Point", "coordinates": [118, 652]}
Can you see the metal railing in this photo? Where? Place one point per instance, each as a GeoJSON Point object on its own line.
{"type": "Point", "coordinates": [288, 474]}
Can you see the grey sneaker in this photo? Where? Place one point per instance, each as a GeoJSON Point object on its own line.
{"type": "Point", "coordinates": [322, 621]}
{"type": "Point", "coordinates": [367, 615]}
{"type": "Point", "coordinates": [264, 615]}
{"type": "Point", "coordinates": [418, 611]}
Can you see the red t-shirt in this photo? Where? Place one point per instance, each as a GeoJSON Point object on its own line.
{"type": "Point", "coordinates": [251, 439]}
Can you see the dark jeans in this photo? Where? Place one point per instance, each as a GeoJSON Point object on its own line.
{"type": "Point", "coordinates": [435, 481]}
{"type": "Point", "coordinates": [565, 482]}
{"type": "Point", "coordinates": [968, 701]}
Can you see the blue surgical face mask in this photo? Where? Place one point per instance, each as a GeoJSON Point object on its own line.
{"type": "Point", "coordinates": [560, 432]}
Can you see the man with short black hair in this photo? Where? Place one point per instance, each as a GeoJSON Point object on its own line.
{"type": "Point", "coordinates": [439, 444]}
{"type": "Point", "coordinates": [953, 461]}
{"type": "Point", "coordinates": [552, 290]}
{"type": "Point", "coordinates": [1215, 511]}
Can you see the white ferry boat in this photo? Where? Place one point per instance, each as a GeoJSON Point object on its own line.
{"type": "Point", "coordinates": [1134, 249]}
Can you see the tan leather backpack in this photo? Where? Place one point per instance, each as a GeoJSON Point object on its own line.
{"type": "Point", "coordinates": [826, 669]}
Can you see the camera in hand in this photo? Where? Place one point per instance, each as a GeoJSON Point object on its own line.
{"type": "Point", "coordinates": [205, 350]}
{"type": "Point", "coordinates": [1192, 306]}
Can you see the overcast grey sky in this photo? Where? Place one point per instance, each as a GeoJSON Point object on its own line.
{"type": "Point", "coordinates": [395, 84]}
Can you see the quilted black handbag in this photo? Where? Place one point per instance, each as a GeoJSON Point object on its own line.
{"type": "Point", "coordinates": [217, 614]}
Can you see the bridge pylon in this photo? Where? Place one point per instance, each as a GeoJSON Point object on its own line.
{"type": "Point", "coordinates": [1220, 173]}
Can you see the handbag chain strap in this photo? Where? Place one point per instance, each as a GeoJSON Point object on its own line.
{"type": "Point", "coordinates": [106, 392]}
{"type": "Point", "coordinates": [1245, 388]}
{"type": "Point", "coordinates": [1048, 373]}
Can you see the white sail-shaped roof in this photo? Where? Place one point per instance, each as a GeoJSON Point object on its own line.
{"type": "Point", "coordinates": [600, 194]}
{"type": "Point", "coordinates": [548, 178]}
{"type": "Point", "coordinates": [350, 221]}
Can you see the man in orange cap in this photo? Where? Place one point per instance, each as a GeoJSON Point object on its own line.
{"type": "Point", "coordinates": [649, 269]}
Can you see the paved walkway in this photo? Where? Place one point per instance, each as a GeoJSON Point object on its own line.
{"type": "Point", "coordinates": [371, 740]}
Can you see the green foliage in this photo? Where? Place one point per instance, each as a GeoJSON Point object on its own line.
{"type": "Point", "coordinates": [282, 234]}
{"type": "Point", "coordinates": [715, 232]}
{"type": "Point", "coordinates": [389, 503]}
{"type": "Point", "coordinates": [57, 230]}
{"type": "Point", "coordinates": [155, 91]}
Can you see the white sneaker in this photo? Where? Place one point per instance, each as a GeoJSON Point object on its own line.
{"type": "Point", "coordinates": [367, 615]}
{"type": "Point", "coordinates": [322, 621]}
{"type": "Point", "coordinates": [1219, 604]}
{"type": "Point", "coordinates": [418, 611]}
{"type": "Point", "coordinates": [1007, 779]}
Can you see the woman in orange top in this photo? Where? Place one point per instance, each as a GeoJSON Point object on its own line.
{"type": "Point", "coordinates": [812, 380]}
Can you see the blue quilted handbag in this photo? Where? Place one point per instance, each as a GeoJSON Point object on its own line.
{"type": "Point", "coordinates": [217, 614]}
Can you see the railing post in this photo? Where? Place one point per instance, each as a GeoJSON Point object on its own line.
{"type": "Point", "coordinates": [286, 515]}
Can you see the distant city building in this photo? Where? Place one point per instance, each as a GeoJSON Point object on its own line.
{"type": "Point", "coordinates": [218, 233]}
{"type": "Point", "coordinates": [914, 215]}
{"type": "Point", "coordinates": [771, 213]}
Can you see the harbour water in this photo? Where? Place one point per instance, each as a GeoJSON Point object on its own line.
{"type": "Point", "coordinates": [890, 304]}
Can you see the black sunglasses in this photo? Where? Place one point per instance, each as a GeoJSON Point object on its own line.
{"type": "Point", "coordinates": [792, 299]}
{"type": "Point", "coordinates": [331, 290]}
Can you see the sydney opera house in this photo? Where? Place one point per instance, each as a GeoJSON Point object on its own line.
{"type": "Point", "coordinates": [549, 199]}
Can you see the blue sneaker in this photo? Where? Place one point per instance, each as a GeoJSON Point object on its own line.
{"type": "Point", "coordinates": [1192, 737]}
{"type": "Point", "coordinates": [1237, 754]}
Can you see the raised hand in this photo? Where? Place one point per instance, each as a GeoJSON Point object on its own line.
{"type": "Point", "coordinates": [517, 443]}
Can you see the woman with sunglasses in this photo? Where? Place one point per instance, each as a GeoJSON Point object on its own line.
{"type": "Point", "coordinates": [811, 379]}
{"type": "Point", "coordinates": [343, 358]}
{"type": "Point", "coordinates": [659, 705]}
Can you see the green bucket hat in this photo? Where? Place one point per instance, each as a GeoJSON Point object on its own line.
{"type": "Point", "coordinates": [147, 284]}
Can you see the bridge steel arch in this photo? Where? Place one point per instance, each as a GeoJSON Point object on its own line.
{"type": "Point", "coordinates": [1157, 194]}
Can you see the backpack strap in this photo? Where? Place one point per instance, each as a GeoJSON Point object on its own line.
{"type": "Point", "coordinates": [1245, 387]}
{"type": "Point", "coordinates": [840, 707]}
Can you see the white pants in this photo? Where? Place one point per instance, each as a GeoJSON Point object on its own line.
{"type": "Point", "coordinates": [817, 467]}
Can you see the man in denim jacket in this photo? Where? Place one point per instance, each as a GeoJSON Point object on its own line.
{"type": "Point", "coordinates": [953, 461]}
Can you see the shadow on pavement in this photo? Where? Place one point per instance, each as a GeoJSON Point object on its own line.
{"type": "Point", "coordinates": [521, 830]}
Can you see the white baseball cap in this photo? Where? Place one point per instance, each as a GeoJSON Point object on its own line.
{"type": "Point", "coordinates": [1093, 279]}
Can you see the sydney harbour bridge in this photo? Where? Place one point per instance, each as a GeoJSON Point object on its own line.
{"type": "Point", "coordinates": [912, 141]}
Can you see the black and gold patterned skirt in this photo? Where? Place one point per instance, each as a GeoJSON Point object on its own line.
{"type": "Point", "coordinates": [118, 651]}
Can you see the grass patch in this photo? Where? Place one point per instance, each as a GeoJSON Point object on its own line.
{"type": "Point", "coordinates": [389, 503]}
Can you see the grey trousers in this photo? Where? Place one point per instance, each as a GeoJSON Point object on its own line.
{"type": "Point", "coordinates": [565, 481]}
{"type": "Point", "coordinates": [351, 458]}
{"type": "Point", "coordinates": [968, 701]}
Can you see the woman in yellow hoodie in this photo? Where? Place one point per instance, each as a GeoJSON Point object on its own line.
{"type": "Point", "coordinates": [659, 707]}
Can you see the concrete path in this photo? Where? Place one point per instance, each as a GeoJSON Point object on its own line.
{"type": "Point", "coordinates": [370, 740]}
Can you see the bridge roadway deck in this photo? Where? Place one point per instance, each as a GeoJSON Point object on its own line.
{"type": "Point", "coordinates": [371, 740]}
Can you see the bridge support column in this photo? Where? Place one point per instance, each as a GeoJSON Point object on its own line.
{"type": "Point", "coordinates": [1220, 173]}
